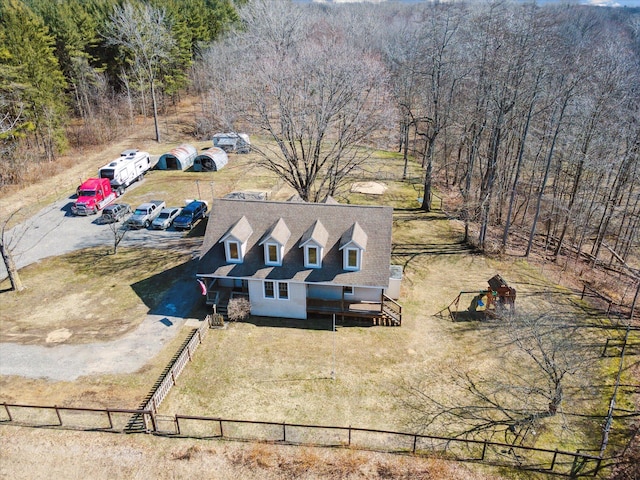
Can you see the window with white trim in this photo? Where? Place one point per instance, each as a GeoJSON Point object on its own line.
{"type": "Point", "coordinates": [269, 289]}
{"type": "Point", "coordinates": [283, 290]}
{"type": "Point", "coordinates": [352, 259]}
{"type": "Point", "coordinates": [272, 254]}
{"type": "Point", "coordinates": [281, 293]}
{"type": "Point", "coordinates": [233, 251]}
{"type": "Point", "coordinates": [312, 256]}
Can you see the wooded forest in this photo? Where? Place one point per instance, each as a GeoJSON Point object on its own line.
{"type": "Point", "coordinates": [527, 114]}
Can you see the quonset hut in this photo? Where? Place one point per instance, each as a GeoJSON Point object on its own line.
{"type": "Point", "coordinates": [210, 160]}
{"type": "Point", "coordinates": [179, 158]}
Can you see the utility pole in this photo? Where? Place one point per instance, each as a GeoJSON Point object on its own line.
{"type": "Point", "coordinates": [333, 367]}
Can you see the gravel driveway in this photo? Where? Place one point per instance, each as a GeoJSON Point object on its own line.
{"type": "Point", "coordinates": [54, 231]}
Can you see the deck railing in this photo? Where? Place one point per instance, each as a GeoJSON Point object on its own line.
{"type": "Point", "coordinates": [392, 309]}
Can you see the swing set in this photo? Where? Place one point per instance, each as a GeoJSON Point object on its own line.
{"type": "Point", "coordinates": [494, 302]}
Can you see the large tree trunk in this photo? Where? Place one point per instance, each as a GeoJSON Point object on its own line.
{"type": "Point", "coordinates": [155, 110]}
{"type": "Point", "coordinates": [14, 277]}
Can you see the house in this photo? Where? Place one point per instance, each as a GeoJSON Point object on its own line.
{"type": "Point", "coordinates": [297, 259]}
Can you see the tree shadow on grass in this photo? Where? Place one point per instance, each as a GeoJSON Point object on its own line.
{"type": "Point", "coordinates": [170, 293]}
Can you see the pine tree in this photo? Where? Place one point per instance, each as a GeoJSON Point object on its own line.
{"type": "Point", "coordinates": [29, 50]}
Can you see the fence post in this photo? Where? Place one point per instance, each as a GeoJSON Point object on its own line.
{"type": "Point", "coordinates": [553, 460]}
{"type": "Point", "coordinates": [349, 444]}
{"type": "Point", "coordinates": [8, 412]}
{"type": "Point", "coordinates": [110, 421]}
{"type": "Point", "coordinates": [598, 466]}
{"type": "Point", "coordinates": [604, 350]}
{"type": "Point", "coordinates": [220, 424]}
{"type": "Point", "coordinates": [177, 425]}
{"type": "Point", "coordinates": [154, 427]}
{"type": "Point", "coordinates": [584, 287]}
{"type": "Point", "coordinates": [284, 432]}
{"type": "Point", "coordinates": [415, 440]}
{"type": "Point", "coordinates": [58, 414]}
{"type": "Point", "coordinates": [484, 449]}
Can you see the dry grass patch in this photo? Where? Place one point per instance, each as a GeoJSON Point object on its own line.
{"type": "Point", "coordinates": [87, 295]}
{"type": "Point", "coordinates": [268, 373]}
{"type": "Point", "coordinates": [99, 455]}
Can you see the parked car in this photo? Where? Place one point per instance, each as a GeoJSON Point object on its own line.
{"type": "Point", "coordinates": [190, 215]}
{"type": "Point", "coordinates": [144, 214]}
{"type": "Point", "coordinates": [166, 218]}
{"type": "Point", "coordinates": [115, 213]}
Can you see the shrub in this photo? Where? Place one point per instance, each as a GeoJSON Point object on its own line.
{"type": "Point", "coordinates": [238, 309]}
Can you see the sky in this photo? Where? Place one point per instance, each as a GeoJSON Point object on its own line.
{"type": "Point", "coordinates": [606, 3]}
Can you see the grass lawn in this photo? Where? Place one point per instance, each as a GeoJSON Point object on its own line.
{"type": "Point", "coordinates": [271, 373]}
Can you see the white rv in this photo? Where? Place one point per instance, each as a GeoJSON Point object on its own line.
{"type": "Point", "coordinates": [130, 166]}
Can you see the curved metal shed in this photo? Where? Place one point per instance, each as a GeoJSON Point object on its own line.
{"type": "Point", "coordinates": [210, 160]}
{"type": "Point", "coordinates": [179, 158]}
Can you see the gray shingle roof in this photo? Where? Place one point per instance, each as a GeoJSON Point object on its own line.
{"type": "Point", "coordinates": [374, 221]}
{"type": "Point", "coordinates": [317, 233]}
{"type": "Point", "coordinates": [240, 230]}
{"type": "Point", "coordinates": [279, 232]}
{"type": "Point", "coordinates": [354, 235]}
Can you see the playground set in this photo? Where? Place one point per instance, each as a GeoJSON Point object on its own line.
{"type": "Point", "coordinates": [498, 300]}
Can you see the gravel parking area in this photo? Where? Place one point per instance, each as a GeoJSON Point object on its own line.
{"type": "Point", "coordinates": [56, 231]}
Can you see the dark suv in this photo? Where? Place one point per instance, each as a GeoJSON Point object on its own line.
{"type": "Point", "coordinates": [115, 213]}
{"type": "Point", "coordinates": [190, 215]}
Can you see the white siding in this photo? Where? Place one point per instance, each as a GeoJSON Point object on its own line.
{"type": "Point", "coordinates": [334, 292]}
{"type": "Point", "coordinates": [294, 307]}
{"type": "Point", "coordinates": [367, 294]}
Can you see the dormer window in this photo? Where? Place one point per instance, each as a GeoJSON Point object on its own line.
{"type": "Point", "coordinates": [313, 241]}
{"type": "Point", "coordinates": [352, 244]}
{"type": "Point", "coordinates": [312, 255]}
{"type": "Point", "coordinates": [232, 251]}
{"type": "Point", "coordinates": [272, 254]}
{"type": "Point", "coordinates": [274, 241]}
{"type": "Point", "coordinates": [235, 240]}
{"type": "Point", "coordinates": [352, 259]}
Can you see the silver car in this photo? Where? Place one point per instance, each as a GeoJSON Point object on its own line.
{"type": "Point", "coordinates": [166, 217]}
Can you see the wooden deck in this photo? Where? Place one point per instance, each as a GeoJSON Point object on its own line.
{"type": "Point", "coordinates": [386, 312]}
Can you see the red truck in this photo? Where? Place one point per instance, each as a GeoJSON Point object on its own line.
{"type": "Point", "coordinates": [94, 194]}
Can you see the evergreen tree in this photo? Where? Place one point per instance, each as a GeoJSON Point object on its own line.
{"type": "Point", "coordinates": [29, 52]}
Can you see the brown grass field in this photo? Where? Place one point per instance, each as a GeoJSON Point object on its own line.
{"type": "Point", "coordinates": [257, 370]}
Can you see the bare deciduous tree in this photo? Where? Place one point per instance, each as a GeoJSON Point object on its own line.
{"type": "Point", "coordinates": [538, 356]}
{"type": "Point", "coordinates": [144, 33]}
{"type": "Point", "coordinates": [315, 94]}
{"type": "Point", "coordinates": [118, 231]}
{"type": "Point", "coordinates": [6, 247]}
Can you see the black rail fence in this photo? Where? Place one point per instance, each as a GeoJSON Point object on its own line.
{"type": "Point", "coordinates": [72, 418]}
{"type": "Point", "coordinates": [558, 462]}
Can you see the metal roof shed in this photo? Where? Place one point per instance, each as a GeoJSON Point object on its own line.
{"type": "Point", "coordinates": [210, 160]}
{"type": "Point", "coordinates": [179, 158]}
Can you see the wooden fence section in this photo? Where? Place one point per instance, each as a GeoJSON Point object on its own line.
{"type": "Point", "coordinates": [558, 462]}
{"type": "Point", "coordinates": [178, 366]}
{"type": "Point", "coordinates": [79, 418]}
